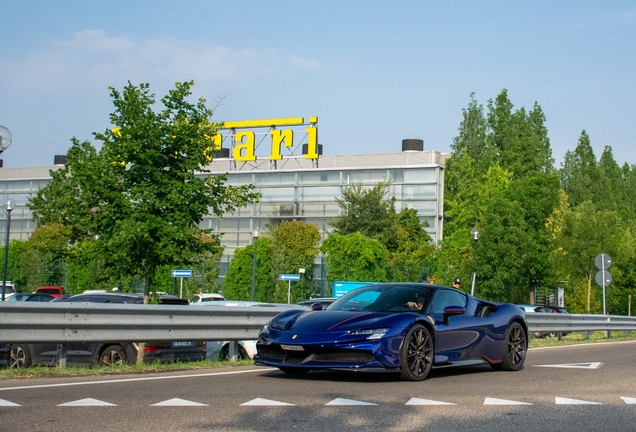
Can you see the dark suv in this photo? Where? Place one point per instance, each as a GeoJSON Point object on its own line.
{"type": "Point", "coordinates": [108, 353]}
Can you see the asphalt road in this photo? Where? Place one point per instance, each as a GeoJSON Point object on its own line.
{"type": "Point", "coordinates": [595, 390]}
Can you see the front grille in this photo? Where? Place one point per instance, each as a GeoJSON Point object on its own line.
{"type": "Point", "coordinates": [276, 354]}
{"type": "Point", "coordinates": [269, 353]}
{"type": "Point", "coordinates": [345, 357]}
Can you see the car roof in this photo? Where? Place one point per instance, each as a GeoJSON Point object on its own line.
{"type": "Point", "coordinates": [131, 298]}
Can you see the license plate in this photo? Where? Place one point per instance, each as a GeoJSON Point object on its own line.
{"type": "Point", "coordinates": [182, 344]}
{"type": "Point", "coordinates": [292, 347]}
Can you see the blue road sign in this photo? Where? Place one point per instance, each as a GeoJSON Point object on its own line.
{"type": "Point", "coordinates": [289, 277]}
{"type": "Point", "coordinates": [181, 273]}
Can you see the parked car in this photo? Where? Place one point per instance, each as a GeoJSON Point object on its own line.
{"type": "Point", "coordinates": [550, 309]}
{"type": "Point", "coordinates": [206, 297]}
{"type": "Point", "coordinates": [108, 353]}
{"type": "Point", "coordinates": [34, 297]}
{"type": "Point", "coordinates": [402, 327]}
{"type": "Point", "coordinates": [543, 309]}
{"type": "Point", "coordinates": [9, 289]}
{"type": "Point", "coordinates": [220, 350]}
{"type": "Point", "coordinates": [54, 290]}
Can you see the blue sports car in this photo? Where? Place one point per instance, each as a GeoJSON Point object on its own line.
{"type": "Point", "coordinates": [401, 327]}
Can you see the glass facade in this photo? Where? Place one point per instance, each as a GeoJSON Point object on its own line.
{"type": "Point", "coordinates": [306, 194]}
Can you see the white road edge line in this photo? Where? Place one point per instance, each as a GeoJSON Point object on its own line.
{"type": "Point", "coordinates": [135, 379]}
{"type": "Point", "coordinates": [582, 345]}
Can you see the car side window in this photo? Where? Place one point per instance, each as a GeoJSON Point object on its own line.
{"type": "Point", "coordinates": [444, 298]}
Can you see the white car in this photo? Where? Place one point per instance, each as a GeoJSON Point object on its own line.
{"type": "Point", "coordinates": [9, 289]}
{"type": "Point", "coordinates": [207, 297]}
{"type": "Point", "coordinates": [216, 350]}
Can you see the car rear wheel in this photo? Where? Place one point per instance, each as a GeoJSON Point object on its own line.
{"type": "Point", "coordinates": [514, 350]}
{"type": "Point", "coordinates": [113, 355]}
{"type": "Point", "coordinates": [225, 353]}
{"type": "Point", "coordinates": [19, 356]}
{"type": "Point", "coordinates": [416, 354]}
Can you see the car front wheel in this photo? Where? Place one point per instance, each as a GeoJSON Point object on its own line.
{"type": "Point", "coordinates": [19, 356]}
{"type": "Point", "coordinates": [416, 354]}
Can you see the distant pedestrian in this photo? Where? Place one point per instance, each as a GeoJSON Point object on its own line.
{"type": "Point", "coordinates": [457, 283]}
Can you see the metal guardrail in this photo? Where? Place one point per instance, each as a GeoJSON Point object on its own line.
{"type": "Point", "coordinates": [550, 322]}
{"type": "Point", "coordinates": [98, 322]}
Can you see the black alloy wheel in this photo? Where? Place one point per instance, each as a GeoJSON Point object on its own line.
{"type": "Point", "coordinates": [515, 349]}
{"type": "Point", "coordinates": [416, 354]}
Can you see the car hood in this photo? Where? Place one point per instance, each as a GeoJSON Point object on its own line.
{"type": "Point", "coordinates": [336, 321]}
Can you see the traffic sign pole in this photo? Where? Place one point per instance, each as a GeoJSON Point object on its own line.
{"type": "Point", "coordinates": [603, 261]}
{"type": "Point", "coordinates": [181, 274]}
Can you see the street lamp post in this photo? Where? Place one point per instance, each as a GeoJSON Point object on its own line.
{"type": "Point", "coordinates": [5, 142]}
{"type": "Point", "coordinates": [474, 234]}
{"type": "Point", "coordinates": [9, 206]}
{"type": "Point", "coordinates": [255, 234]}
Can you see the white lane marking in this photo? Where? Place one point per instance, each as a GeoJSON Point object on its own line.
{"type": "Point", "coordinates": [8, 403]}
{"type": "Point", "coordinates": [265, 402]}
{"type": "Point", "coordinates": [178, 402]}
{"type": "Point", "coordinates": [629, 400]}
{"type": "Point", "coordinates": [591, 365]}
{"type": "Point", "coordinates": [495, 401]}
{"type": "Point", "coordinates": [418, 401]}
{"type": "Point", "coordinates": [135, 379]}
{"type": "Point", "coordinates": [567, 401]}
{"type": "Point", "coordinates": [342, 401]}
{"type": "Point", "coordinates": [581, 345]}
{"type": "Point", "coordinates": [87, 402]}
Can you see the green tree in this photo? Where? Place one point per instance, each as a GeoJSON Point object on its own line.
{"type": "Point", "coordinates": [295, 245]}
{"type": "Point", "coordinates": [413, 248]}
{"type": "Point", "coordinates": [43, 260]}
{"type": "Point", "coordinates": [520, 140]}
{"type": "Point", "coordinates": [15, 274]}
{"type": "Point", "coordinates": [364, 210]}
{"type": "Point", "coordinates": [355, 257]}
{"type": "Point", "coordinates": [237, 284]}
{"type": "Point", "coordinates": [611, 190]}
{"type": "Point", "coordinates": [579, 172]}
{"type": "Point", "coordinates": [140, 193]}
{"type": "Point", "coordinates": [585, 232]}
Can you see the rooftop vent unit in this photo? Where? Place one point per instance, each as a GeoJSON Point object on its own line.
{"type": "Point", "coordinates": [59, 160]}
{"type": "Point", "coordinates": [412, 145]}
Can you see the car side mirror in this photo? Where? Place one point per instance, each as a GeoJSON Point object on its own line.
{"type": "Point", "coordinates": [451, 311]}
{"type": "Point", "coordinates": [316, 306]}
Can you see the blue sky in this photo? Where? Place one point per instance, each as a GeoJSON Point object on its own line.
{"type": "Point", "coordinates": [373, 72]}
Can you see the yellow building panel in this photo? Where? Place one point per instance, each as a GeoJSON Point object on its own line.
{"type": "Point", "coordinates": [264, 123]}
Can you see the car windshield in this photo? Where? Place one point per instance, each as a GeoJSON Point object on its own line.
{"type": "Point", "coordinates": [384, 298]}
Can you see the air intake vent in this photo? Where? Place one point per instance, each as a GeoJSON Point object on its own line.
{"type": "Point", "coordinates": [409, 145]}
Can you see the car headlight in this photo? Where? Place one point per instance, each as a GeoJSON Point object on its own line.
{"type": "Point", "coordinates": [373, 333]}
